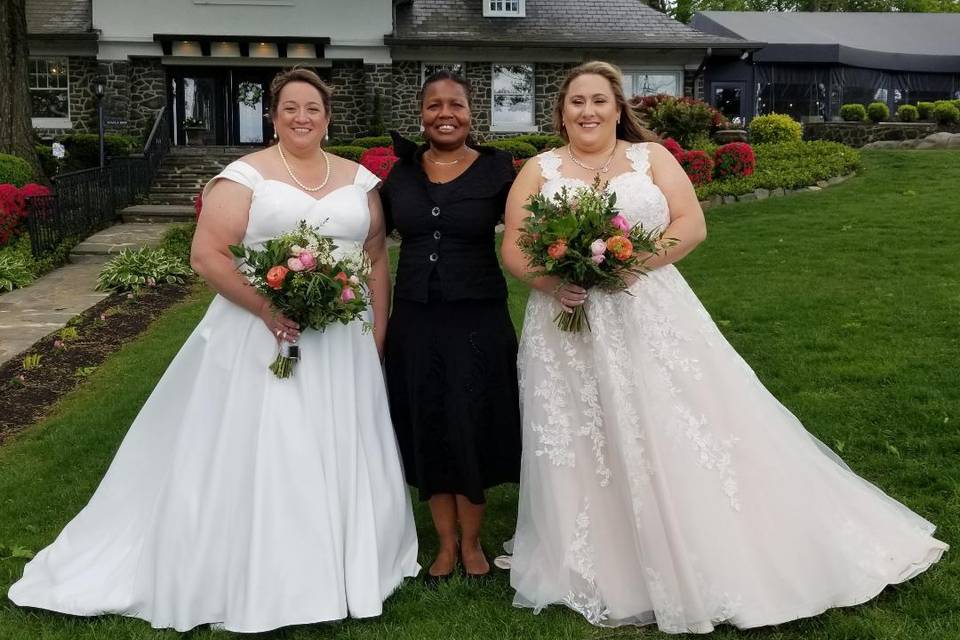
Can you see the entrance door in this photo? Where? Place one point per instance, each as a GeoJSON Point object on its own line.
{"type": "Point", "coordinates": [727, 98]}
{"type": "Point", "coordinates": [198, 100]}
{"type": "Point", "coordinates": [249, 94]}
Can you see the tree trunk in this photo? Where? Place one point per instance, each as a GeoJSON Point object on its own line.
{"type": "Point", "coordinates": [16, 129]}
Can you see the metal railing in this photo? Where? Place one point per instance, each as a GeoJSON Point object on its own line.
{"type": "Point", "coordinates": [86, 201]}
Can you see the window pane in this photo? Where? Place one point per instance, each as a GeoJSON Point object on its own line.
{"type": "Point", "coordinates": [649, 84]}
{"type": "Point", "coordinates": [727, 100]}
{"type": "Point", "coordinates": [512, 95]}
{"type": "Point", "coordinates": [49, 104]}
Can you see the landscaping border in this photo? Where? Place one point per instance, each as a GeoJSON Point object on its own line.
{"type": "Point", "coordinates": [763, 194]}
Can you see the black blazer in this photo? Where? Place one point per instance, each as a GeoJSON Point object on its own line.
{"type": "Point", "coordinates": [447, 229]}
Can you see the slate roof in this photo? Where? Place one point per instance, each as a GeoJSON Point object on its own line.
{"type": "Point", "coordinates": [894, 41]}
{"type": "Point", "coordinates": [59, 17]}
{"type": "Point", "coordinates": [619, 23]}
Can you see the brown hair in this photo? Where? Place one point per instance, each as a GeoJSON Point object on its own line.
{"type": "Point", "coordinates": [629, 127]}
{"type": "Point", "coordinates": [298, 74]}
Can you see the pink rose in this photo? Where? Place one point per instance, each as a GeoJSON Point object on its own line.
{"type": "Point", "coordinates": [307, 259]}
{"type": "Point", "coordinates": [295, 264]}
{"type": "Point", "coordinates": [598, 258]}
{"type": "Point", "coordinates": [620, 222]}
{"type": "Point", "coordinates": [347, 294]}
{"type": "Point", "coordinates": [598, 247]}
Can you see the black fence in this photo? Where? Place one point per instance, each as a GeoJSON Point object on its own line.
{"type": "Point", "coordinates": [86, 201]}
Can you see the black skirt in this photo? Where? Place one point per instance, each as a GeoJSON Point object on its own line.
{"type": "Point", "coordinates": [451, 371]}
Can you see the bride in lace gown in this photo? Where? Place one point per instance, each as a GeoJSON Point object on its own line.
{"type": "Point", "coordinates": [661, 482]}
{"type": "Point", "coordinates": [238, 498]}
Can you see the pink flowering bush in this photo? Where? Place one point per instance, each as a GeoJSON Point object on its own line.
{"type": "Point", "coordinates": [734, 160]}
{"type": "Point", "coordinates": [379, 160]}
{"type": "Point", "coordinates": [13, 208]}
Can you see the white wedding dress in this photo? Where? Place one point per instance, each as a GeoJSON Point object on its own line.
{"type": "Point", "coordinates": [239, 498]}
{"type": "Point", "coordinates": [662, 483]}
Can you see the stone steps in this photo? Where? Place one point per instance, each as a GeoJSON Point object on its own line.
{"type": "Point", "coordinates": [184, 172]}
{"type": "Point", "coordinates": [158, 213]}
{"type": "Point", "coordinates": [105, 244]}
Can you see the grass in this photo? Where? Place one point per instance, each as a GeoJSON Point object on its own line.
{"type": "Point", "coordinates": [846, 304]}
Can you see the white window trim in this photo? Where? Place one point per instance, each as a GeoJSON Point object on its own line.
{"type": "Point", "coordinates": [516, 128]}
{"type": "Point", "coordinates": [661, 71]}
{"type": "Point", "coordinates": [423, 68]}
{"type": "Point", "coordinates": [51, 123]}
{"type": "Point", "coordinates": [521, 11]}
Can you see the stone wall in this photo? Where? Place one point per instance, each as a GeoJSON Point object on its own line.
{"type": "Point", "coordinates": [349, 100]}
{"type": "Point", "coordinates": [405, 112]}
{"type": "Point", "coordinates": [83, 104]}
{"type": "Point", "coordinates": [547, 78]}
{"type": "Point", "coordinates": [148, 94]}
{"type": "Point", "coordinates": [858, 134]}
{"type": "Point", "coordinates": [480, 75]}
{"type": "Point", "coordinates": [115, 75]}
{"type": "Point", "coordinates": [379, 82]}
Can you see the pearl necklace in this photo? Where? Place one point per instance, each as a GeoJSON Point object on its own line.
{"type": "Point", "coordinates": [604, 168]}
{"type": "Point", "coordinates": [326, 178]}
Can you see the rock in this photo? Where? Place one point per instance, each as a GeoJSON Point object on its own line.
{"type": "Point", "coordinates": [778, 193]}
{"type": "Point", "coordinates": [705, 204]}
{"type": "Point", "coordinates": [909, 144]}
{"type": "Point", "coordinates": [927, 144]}
{"type": "Point", "coordinates": [762, 194]}
{"type": "Point", "coordinates": [747, 197]}
{"type": "Point", "coordinates": [940, 139]}
{"type": "Point", "coordinates": [954, 142]}
{"type": "Point", "coordinates": [823, 184]}
{"type": "Point", "coordinates": [814, 188]}
{"type": "Point", "coordinates": [836, 180]}
{"type": "Point", "coordinates": [729, 199]}
{"type": "Point", "coordinates": [716, 201]}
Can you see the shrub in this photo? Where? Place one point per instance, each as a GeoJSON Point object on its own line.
{"type": "Point", "coordinates": [14, 170]}
{"type": "Point", "coordinates": [907, 113]}
{"type": "Point", "coordinates": [682, 120]}
{"type": "Point", "coordinates": [698, 166]}
{"type": "Point", "coordinates": [14, 272]}
{"type": "Point", "coordinates": [702, 142]}
{"type": "Point", "coordinates": [878, 112]}
{"type": "Point", "coordinates": [177, 240]}
{"type": "Point", "coordinates": [853, 113]}
{"type": "Point", "coordinates": [379, 160]}
{"type": "Point", "coordinates": [673, 147]}
{"type": "Point", "coordinates": [734, 160]}
{"type": "Point", "coordinates": [644, 108]}
{"type": "Point", "coordinates": [12, 212]}
{"type": "Point", "coordinates": [47, 161]}
{"type": "Point", "coordinates": [540, 141]}
{"type": "Point", "coordinates": [519, 150]}
{"type": "Point", "coordinates": [83, 149]}
{"type": "Point", "coordinates": [925, 110]}
{"type": "Point", "coordinates": [368, 142]}
{"type": "Point", "coordinates": [956, 103]}
{"type": "Point", "coordinates": [774, 128]}
{"type": "Point", "coordinates": [131, 270]}
{"type": "Point", "coordinates": [348, 151]}
{"type": "Point", "coordinates": [945, 113]}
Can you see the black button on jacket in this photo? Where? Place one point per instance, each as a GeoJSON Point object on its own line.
{"type": "Point", "coordinates": [448, 229]}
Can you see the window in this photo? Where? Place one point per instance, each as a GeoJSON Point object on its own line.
{"type": "Point", "coordinates": [427, 69]}
{"type": "Point", "coordinates": [50, 92]}
{"type": "Point", "coordinates": [641, 82]}
{"type": "Point", "coordinates": [504, 8]}
{"type": "Point", "coordinates": [512, 105]}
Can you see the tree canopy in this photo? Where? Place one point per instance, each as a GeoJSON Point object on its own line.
{"type": "Point", "coordinates": [683, 10]}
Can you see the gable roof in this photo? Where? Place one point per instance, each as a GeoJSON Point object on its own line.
{"type": "Point", "coordinates": [565, 23]}
{"type": "Point", "coordinates": [893, 41]}
{"type": "Point", "coordinates": [59, 16]}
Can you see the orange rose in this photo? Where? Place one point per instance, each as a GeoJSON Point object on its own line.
{"type": "Point", "coordinates": [342, 277]}
{"type": "Point", "coordinates": [620, 247]}
{"type": "Point", "coordinates": [557, 250]}
{"type": "Point", "coordinates": [276, 276]}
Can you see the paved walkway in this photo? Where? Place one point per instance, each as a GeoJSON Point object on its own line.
{"type": "Point", "coordinates": [28, 314]}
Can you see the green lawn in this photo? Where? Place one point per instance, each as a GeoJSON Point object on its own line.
{"type": "Point", "coordinates": [846, 302]}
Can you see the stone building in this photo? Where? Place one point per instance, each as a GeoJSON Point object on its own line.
{"type": "Point", "coordinates": [209, 62]}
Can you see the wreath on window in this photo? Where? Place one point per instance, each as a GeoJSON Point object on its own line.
{"type": "Point", "coordinates": [249, 94]}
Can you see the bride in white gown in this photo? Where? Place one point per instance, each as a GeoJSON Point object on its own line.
{"type": "Point", "coordinates": [661, 482]}
{"type": "Point", "coordinates": [238, 498]}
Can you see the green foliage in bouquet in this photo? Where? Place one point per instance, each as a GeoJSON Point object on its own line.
{"type": "Point", "coordinates": [146, 267]}
{"type": "Point", "coordinates": [581, 237]}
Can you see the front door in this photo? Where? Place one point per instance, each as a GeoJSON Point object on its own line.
{"type": "Point", "coordinates": [727, 98]}
{"type": "Point", "coordinates": [249, 95]}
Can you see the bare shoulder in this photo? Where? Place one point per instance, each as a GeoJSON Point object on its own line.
{"type": "Point", "coordinates": [261, 160]}
{"type": "Point", "coordinates": [343, 166]}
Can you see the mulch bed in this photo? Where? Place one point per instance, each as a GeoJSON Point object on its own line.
{"type": "Point", "coordinates": [26, 395]}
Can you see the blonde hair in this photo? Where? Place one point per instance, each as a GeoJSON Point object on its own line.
{"type": "Point", "coordinates": [299, 74]}
{"type": "Point", "coordinates": [629, 127]}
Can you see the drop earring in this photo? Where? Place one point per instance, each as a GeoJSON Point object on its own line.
{"type": "Point", "coordinates": [421, 128]}
{"type": "Point", "coordinates": [275, 136]}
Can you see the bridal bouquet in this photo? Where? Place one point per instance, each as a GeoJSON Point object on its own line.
{"type": "Point", "coordinates": [581, 237]}
{"type": "Point", "coordinates": [303, 279]}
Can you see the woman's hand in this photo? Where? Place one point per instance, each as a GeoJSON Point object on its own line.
{"type": "Point", "coordinates": [569, 295]}
{"type": "Point", "coordinates": [283, 328]}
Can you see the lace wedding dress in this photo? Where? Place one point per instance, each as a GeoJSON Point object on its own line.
{"type": "Point", "coordinates": [662, 483]}
{"type": "Point", "coordinates": [239, 498]}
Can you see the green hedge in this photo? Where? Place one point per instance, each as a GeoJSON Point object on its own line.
{"type": "Point", "coordinates": [540, 141]}
{"type": "Point", "coordinates": [519, 150]}
{"type": "Point", "coordinates": [789, 165]}
{"type": "Point", "coordinates": [853, 113]}
{"type": "Point", "coordinates": [945, 112]}
{"type": "Point", "coordinates": [14, 170]}
{"type": "Point", "coordinates": [878, 112]}
{"type": "Point", "coordinates": [925, 110]}
{"type": "Point", "coordinates": [348, 151]}
{"type": "Point", "coordinates": [907, 113]}
{"type": "Point", "coordinates": [369, 142]}
{"type": "Point", "coordinates": [774, 128]}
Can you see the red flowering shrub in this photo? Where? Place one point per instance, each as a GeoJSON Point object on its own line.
{"type": "Point", "coordinates": [12, 212]}
{"type": "Point", "coordinates": [34, 189]}
{"type": "Point", "coordinates": [734, 160]}
{"type": "Point", "coordinates": [198, 206]}
{"type": "Point", "coordinates": [673, 147]}
{"type": "Point", "coordinates": [698, 165]}
{"type": "Point", "coordinates": [379, 160]}
{"type": "Point", "coordinates": [518, 164]}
